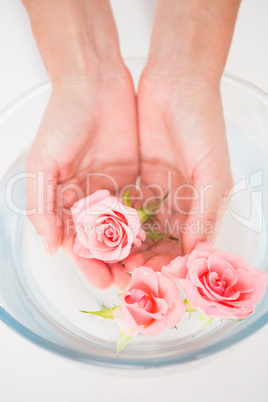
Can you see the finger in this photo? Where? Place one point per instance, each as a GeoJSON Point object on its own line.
{"type": "Point", "coordinates": [158, 261]}
{"type": "Point", "coordinates": [137, 259]}
{"type": "Point", "coordinates": [94, 271]}
{"type": "Point", "coordinates": [221, 211]}
{"type": "Point", "coordinates": [121, 278]}
{"type": "Point", "coordinates": [167, 247]}
{"type": "Point", "coordinates": [159, 254]}
{"type": "Point", "coordinates": [203, 215]}
{"type": "Point", "coordinates": [164, 252]}
{"type": "Point", "coordinates": [41, 185]}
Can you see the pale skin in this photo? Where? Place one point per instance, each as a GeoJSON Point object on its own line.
{"type": "Point", "coordinates": [176, 118]}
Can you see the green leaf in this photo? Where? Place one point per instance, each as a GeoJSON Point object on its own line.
{"type": "Point", "coordinates": [144, 214]}
{"type": "Point", "coordinates": [126, 198]}
{"type": "Point", "coordinates": [204, 321]}
{"type": "Point", "coordinates": [165, 196]}
{"type": "Point", "coordinates": [106, 313]}
{"type": "Point", "coordinates": [151, 235]}
{"type": "Point", "coordinates": [152, 219]}
{"type": "Point", "coordinates": [189, 307]}
{"type": "Point", "coordinates": [122, 341]}
{"type": "Point", "coordinates": [235, 319]}
{"type": "Point", "coordinates": [153, 206]}
{"type": "Point", "coordinates": [173, 238]}
{"type": "Point", "coordinates": [154, 235]}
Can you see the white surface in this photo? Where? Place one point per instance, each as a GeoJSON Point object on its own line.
{"type": "Point", "coordinates": [28, 373]}
{"type": "Point", "coordinates": [31, 374]}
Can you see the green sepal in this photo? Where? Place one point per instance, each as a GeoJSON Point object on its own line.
{"type": "Point", "coordinates": [154, 235]}
{"type": "Point", "coordinates": [144, 214]}
{"type": "Point", "coordinates": [153, 206]}
{"type": "Point", "coordinates": [150, 235]}
{"type": "Point", "coordinates": [106, 313]}
{"type": "Point", "coordinates": [122, 341]}
{"type": "Point", "coordinates": [172, 238]}
{"type": "Point", "coordinates": [189, 307]}
{"type": "Point", "coordinates": [235, 319]}
{"type": "Point", "coordinates": [204, 321]}
{"type": "Point", "coordinates": [126, 198]}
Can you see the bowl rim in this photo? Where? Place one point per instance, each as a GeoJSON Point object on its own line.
{"type": "Point", "coordinates": [118, 363]}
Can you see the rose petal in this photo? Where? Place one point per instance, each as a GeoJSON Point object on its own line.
{"type": "Point", "coordinates": [216, 296]}
{"type": "Point", "coordinates": [144, 278]}
{"type": "Point", "coordinates": [241, 285]}
{"type": "Point", "coordinates": [246, 281]}
{"type": "Point", "coordinates": [223, 268]}
{"type": "Point", "coordinates": [117, 314]}
{"type": "Point", "coordinates": [196, 254]}
{"type": "Point", "coordinates": [92, 199]}
{"type": "Point", "coordinates": [197, 270]}
{"type": "Point", "coordinates": [154, 329]}
{"type": "Point", "coordinates": [218, 311]}
{"type": "Point", "coordinates": [205, 246]}
{"type": "Point", "coordinates": [176, 269]}
{"type": "Point", "coordinates": [237, 261]}
{"type": "Point", "coordinates": [160, 308]}
{"type": "Point", "coordinates": [141, 235]}
{"type": "Point", "coordinates": [170, 292]}
{"type": "Point", "coordinates": [138, 315]}
{"type": "Point", "coordinates": [252, 298]}
{"type": "Point", "coordinates": [212, 308]}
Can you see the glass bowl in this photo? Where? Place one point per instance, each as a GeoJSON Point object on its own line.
{"type": "Point", "coordinates": [41, 297]}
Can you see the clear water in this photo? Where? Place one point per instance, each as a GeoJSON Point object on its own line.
{"type": "Point", "coordinates": [41, 297]}
{"type": "Point", "coordinates": [58, 292]}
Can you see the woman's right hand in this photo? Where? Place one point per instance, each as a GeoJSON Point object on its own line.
{"type": "Point", "coordinates": [88, 135]}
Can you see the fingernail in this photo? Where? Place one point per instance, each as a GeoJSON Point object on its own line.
{"type": "Point", "coordinates": [43, 244]}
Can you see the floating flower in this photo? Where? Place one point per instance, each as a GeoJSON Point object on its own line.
{"type": "Point", "coordinates": [218, 283]}
{"type": "Point", "coordinates": [152, 303]}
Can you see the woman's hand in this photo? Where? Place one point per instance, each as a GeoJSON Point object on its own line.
{"type": "Point", "coordinates": [88, 136]}
{"type": "Point", "coordinates": [87, 140]}
{"type": "Point", "coordinates": [182, 131]}
{"type": "Point", "coordinates": [90, 124]}
{"type": "Point", "coordinates": [183, 151]}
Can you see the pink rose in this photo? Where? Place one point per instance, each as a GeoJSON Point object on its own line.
{"type": "Point", "coordinates": [218, 283]}
{"type": "Point", "coordinates": [106, 228]}
{"type": "Point", "coordinates": [152, 303]}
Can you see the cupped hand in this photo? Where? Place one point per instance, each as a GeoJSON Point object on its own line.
{"type": "Point", "coordinates": [87, 140]}
{"type": "Point", "coordinates": [183, 151]}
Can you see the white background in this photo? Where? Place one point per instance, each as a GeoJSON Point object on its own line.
{"type": "Point", "coordinates": [28, 373]}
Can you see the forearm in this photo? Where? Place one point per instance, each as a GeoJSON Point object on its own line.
{"type": "Point", "coordinates": [192, 37]}
{"type": "Point", "coordinates": [75, 37]}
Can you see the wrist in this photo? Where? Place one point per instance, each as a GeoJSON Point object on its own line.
{"type": "Point", "coordinates": [182, 76]}
{"type": "Point", "coordinates": [191, 38]}
{"type": "Point", "coordinates": [85, 67]}
{"type": "Point", "coordinates": [76, 39]}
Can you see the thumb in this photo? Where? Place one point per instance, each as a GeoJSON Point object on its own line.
{"type": "Point", "coordinates": [41, 187]}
